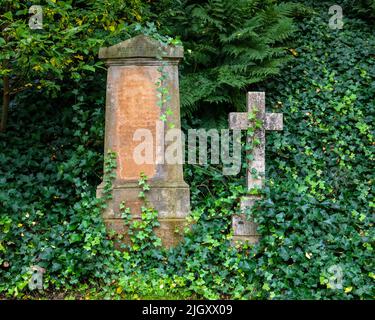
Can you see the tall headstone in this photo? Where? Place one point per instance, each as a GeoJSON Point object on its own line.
{"type": "Point", "coordinates": [243, 229]}
{"type": "Point", "coordinates": [134, 69]}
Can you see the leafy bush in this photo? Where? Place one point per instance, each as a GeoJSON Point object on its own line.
{"type": "Point", "coordinates": [365, 8]}
{"type": "Point", "coordinates": [64, 49]}
{"type": "Point", "coordinates": [47, 215]}
{"type": "Point", "coordinates": [229, 46]}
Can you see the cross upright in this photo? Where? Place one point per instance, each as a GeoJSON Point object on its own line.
{"type": "Point", "coordinates": [244, 229]}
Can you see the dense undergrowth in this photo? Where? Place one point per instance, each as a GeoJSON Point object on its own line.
{"type": "Point", "coordinates": [316, 220]}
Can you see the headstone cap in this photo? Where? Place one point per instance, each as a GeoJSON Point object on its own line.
{"type": "Point", "coordinates": [141, 47]}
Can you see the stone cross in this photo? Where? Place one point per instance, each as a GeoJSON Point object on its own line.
{"type": "Point", "coordinates": [242, 228]}
{"type": "Point", "coordinates": [134, 71]}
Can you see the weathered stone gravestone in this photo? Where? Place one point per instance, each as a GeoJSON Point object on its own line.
{"type": "Point", "coordinates": [132, 104]}
{"type": "Point", "coordinates": [243, 229]}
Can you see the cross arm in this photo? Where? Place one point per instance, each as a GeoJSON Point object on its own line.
{"type": "Point", "coordinates": [238, 120]}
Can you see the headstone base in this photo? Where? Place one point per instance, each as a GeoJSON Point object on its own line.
{"type": "Point", "coordinates": [170, 231]}
{"type": "Point", "coordinates": [245, 230]}
{"type": "Point", "coordinates": [245, 239]}
{"type": "Point", "coordinates": [172, 203]}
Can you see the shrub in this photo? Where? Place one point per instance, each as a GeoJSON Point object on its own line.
{"type": "Point", "coordinates": [229, 46]}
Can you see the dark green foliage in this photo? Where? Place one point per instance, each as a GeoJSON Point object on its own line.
{"type": "Point", "coordinates": [320, 211]}
{"type": "Point", "coordinates": [229, 46]}
{"type": "Point", "coordinates": [364, 8]}
{"type": "Point", "coordinates": [47, 215]}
